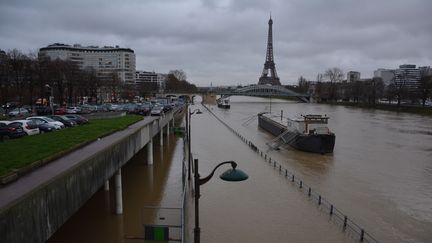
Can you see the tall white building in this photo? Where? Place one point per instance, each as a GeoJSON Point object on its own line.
{"type": "Point", "coordinates": [409, 75]}
{"type": "Point", "coordinates": [143, 77]}
{"type": "Point", "coordinates": [105, 60]}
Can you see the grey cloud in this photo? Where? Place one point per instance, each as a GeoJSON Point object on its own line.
{"type": "Point", "coordinates": [224, 41]}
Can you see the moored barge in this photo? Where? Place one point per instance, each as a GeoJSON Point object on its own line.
{"type": "Point", "coordinates": [223, 103]}
{"type": "Point", "coordinates": [308, 133]}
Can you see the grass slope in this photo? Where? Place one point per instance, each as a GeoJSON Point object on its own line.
{"type": "Point", "coordinates": [18, 153]}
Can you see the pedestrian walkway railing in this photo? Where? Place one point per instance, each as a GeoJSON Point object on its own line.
{"type": "Point", "coordinates": [346, 224]}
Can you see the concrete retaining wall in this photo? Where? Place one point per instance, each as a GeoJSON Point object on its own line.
{"type": "Point", "coordinates": [37, 214]}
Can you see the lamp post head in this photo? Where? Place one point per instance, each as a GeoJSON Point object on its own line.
{"type": "Point", "coordinates": [234, 175]}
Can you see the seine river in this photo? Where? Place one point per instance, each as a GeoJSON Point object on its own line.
{"type": "Point", "coordinates": [380, 175]}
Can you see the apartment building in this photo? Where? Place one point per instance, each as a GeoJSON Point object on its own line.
{"type": "Point", "coordinates": [105, 60]}
{"type": "Point", "coordinates": [143, 78]}
{"type": "Point", "coordinates": [408, 75]}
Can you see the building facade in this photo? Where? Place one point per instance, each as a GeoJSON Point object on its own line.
{"type": "Point", "coordinates": [105, 60]}
{"type": "Point", "coordinates": [353, 76]}
{"type": "Point", "coordinates": [407, 75]}
{"type": "Point", "coordinates": [425, 71]}
{"type": "Point", "coordinates": [149, 78]}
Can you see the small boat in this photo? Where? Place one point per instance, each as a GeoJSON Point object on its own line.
{"type": "Point", "coordinates": [223, 103]}
{"type": "Point", "coordinates": [308, 133]}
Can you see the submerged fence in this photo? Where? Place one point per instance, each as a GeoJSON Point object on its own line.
{"type": "Point", "coordinates": [347, 225]}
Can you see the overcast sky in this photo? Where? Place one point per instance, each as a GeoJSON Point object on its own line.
{"type": "Point", "coordinates": [223, 42]}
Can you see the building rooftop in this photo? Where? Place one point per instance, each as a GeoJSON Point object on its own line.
{"type": "Point", "coordinates": [61, 46]}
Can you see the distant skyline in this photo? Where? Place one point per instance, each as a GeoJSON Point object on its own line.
{"type": "Point", "coordinates": [223, 42]}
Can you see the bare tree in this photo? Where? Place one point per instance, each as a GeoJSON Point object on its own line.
{"type": "Point", "coordinates": [425, 85]}
{"type": "Point", "coordinates": [356, 90]}
{"type": "Point", "coordinates": [374, 90]}
{"type": "Point", "coordinates": [112, 85]}
{"type": "Point", "coordinates": [320, 77]}
{"type": "Point", "coordinates": [399, 87]}
{"type": "Point", "coordinates": [93, 84]}
{"type": "Point", "coordinates": [303, 85]}
{"type": "Point", "coordinates": [31, 76]}
{"type": "Point", "coordinates": [334, 75]}
{"type": "Point", "coordinates": [179, 74]}
{"type": "Point", "coordinates": [4, 78]}
{"type": "Point", "coordinates": [17, 62]}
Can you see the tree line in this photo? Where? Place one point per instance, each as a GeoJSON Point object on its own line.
{"type": "Point", "coordinates": [177, 82]}
{"type": "Point", "coordinates": [331, 87]}
{"type": "Point", "coordinates": [26, 79]}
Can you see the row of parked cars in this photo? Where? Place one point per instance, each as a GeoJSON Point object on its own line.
{"type": "Point", "coordinates": [152, 107]}
{"type": "Point", "coordinates": [38, 124]}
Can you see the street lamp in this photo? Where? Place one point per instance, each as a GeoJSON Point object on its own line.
{"type": "Point", "coordinates": [51, 98]}
{"type": "Point", "coordinates": [190, 113]}
{"type": "Point", "coordinates": [232, 174]}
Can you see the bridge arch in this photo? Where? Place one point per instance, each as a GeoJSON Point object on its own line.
{"type": "Point", "coordinates": [266, 91]}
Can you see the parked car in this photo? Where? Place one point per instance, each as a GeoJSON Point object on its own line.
{"type": "Point", "coordinates": [5, 122]}
{"type": "Point", "coordinates": [130, 108]}
{"type": "Point", "coordinates": [29, 127]}
{"type": "Point", "coordinates": [114, 107]}
{"type": "Point", "coordinates": [63, 119]}
{"type": "Point", "coordinates": [143, 109]}
{"type": "Point", "coordinates": [11, 130]}
{"type": "Point", "coordinates": [60, 111]}
{"type": "Point", "coordinates": [80, 120]}
{"type": "Point", "coordinates": [157, 110]}
{"type": "Point", "coordinates": [73, 110]}
{"type": "Point", "coordinates": [45, 127]}
{"type": "Point", "coordinates": [19, 112]}
{"type": "Point", "coordinates": [103, 107]}
{"type": "Point", "coordinates": [86, 108]}
{"type": "Point", "coordinates": [43, 119]}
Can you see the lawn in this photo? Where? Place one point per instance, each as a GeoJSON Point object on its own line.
{"type": "Point", "coordinates": [19, 153]}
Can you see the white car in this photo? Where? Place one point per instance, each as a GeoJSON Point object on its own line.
{"type": "Point", "coordinates": [73, 110]}
{"type": "Point", "coordinates": [157, 111]}
{"type": "Point", "coordinates": [30, 127]}
{"type": "Point", "coordinates": [19, 112]}
{"type": "Point", "coordinates": [5, 122]}
{"type": "Point", "coordinates": [43, 119]}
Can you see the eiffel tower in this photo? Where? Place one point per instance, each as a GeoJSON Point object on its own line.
{"type": "Point", "coordinates": [269, 65]}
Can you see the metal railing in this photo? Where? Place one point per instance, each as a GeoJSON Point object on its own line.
{"type": "Point", "coordinates": [338, 217]}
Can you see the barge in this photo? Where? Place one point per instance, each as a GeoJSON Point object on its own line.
{"type": "Point", "coordinates": [223, 103]}
{"type": "Point", "coordinates": [308, 133]}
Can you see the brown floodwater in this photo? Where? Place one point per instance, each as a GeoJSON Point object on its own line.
{"type": "Point", "coordinates": [380, 175]}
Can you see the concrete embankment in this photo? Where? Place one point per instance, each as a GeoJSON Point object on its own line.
{"type": "Point", "coordinates": [34, 207]}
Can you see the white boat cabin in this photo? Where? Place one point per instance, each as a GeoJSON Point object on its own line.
{"type": "Point", "coordinates": [309, 124]}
